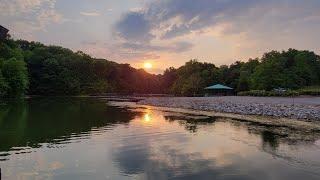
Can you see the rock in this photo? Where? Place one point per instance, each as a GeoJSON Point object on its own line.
{"type": "Point", "coordinates": [239, 106]}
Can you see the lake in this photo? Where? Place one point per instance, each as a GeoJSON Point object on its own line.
{"type": "Point", "coordinates": [85, 138]}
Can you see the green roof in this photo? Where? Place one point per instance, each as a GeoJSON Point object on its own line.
{"type": "Point", "coordinates": [219, 86]}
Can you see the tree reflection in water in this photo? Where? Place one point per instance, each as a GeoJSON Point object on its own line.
{"type": "Point", "coordinates": [77, 138]}
{"type": "Point", "coordinates": [55, 120]}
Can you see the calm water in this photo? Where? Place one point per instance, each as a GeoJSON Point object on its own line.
{"type": "Point", "coordinates": [87, 139]}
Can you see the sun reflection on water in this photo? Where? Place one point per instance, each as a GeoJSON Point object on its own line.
{"type": "Point", "coordinates": [147, 118]}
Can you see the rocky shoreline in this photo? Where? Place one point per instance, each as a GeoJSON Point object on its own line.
{"type": "Point", "coordinates": [293, 108]}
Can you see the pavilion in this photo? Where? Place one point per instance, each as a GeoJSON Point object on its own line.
{"type": "Point", "coordinates": [219, 90]}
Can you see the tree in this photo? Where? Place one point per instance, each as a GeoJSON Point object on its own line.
{"type": "Point", "coordinates": [15, 73]}
{"type": "Point", "coordinates": [54, 70]}
{"type": "Point", "coordinates": [288, 69]}
{"type": "Point", "coordinates": [3, 86]}
{"type": "Point", "coordinates": [246, 71]}
{"type": "Point", "coordinates": [168, 79]}
{"type": "Point", "coordinates": [193, 85]}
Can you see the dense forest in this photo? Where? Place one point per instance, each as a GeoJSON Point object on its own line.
{"type": "Point", "coordinates": [36, 69]}
{"type": "Point", "coordinates": [291, 70]}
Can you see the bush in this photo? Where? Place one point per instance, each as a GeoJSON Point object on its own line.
{"type": "Point", "coordinates": [253, 93]}
{"type": "Point", "coordinates": [291, 93]}
{"type": "Point", "coordinates": [312, 91]}
{"type": "Point", "coordinates": [264, 93]}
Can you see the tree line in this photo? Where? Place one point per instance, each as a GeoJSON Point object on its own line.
{"type": "Point", "coordinates": [291, 69]}
{"type": "Point", "coordinates": [36, 69]}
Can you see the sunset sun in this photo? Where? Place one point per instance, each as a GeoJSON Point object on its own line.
{"type": "Point", "coordinates": [147, 65]}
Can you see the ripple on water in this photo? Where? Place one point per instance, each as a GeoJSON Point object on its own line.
{"type": "Point", "coordinates": [97, 141]}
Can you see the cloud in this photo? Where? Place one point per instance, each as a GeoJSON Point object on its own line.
{"type": "Point", "coordinates": [94, 13]}
{"type": "Point", "coordinates": [182, 17]}
{"type": "Point", "coordinates": [28, 16]}
{"type": "Point", "coordinates": [49, 16]}
{"type": "Point", "coordinates": [107, 50]}
{"type": "Point", "coordinates": [89, 43]}
{"type": "Point", "coordinates": [134, 32]}
{"type": "Point", "coordinates": [175, 47]}
{"type": "Point", "coordinates": [16, 7]}
{"type": "Point", "coordinates": [134, 27]}
{"type": "Point", "coordinates": [247, 23]}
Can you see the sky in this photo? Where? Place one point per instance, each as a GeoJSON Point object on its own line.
{"type": "Point", "coordinates": [167, 32]}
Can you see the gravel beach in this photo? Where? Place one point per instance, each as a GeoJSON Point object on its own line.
{"type": "Point", "coordinates": [307, 108]}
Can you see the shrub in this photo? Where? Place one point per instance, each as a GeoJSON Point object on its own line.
{"type": "Point", "coordinates": [312, 91]}
{"type": "Point", "coordinates": [253, 93]}
{"type": "Point", "coordinates": [269, 93]}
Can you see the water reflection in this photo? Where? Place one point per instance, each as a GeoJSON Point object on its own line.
{"type": "Point", "coordinates": [54, 121]}
{"type": "Point", "coordinates": [233, 152]}
{"type": "Point", "coordinates": [269, 139]}
{"type": "Point", "coordinates": [86, 139]}
{"type": "Point", "coordinates": [147, 118]}
{"type": "Point", "coordinates": [190, 122]}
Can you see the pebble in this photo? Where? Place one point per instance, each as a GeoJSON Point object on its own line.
{"type": "Point", "coordinates": [299, 111]}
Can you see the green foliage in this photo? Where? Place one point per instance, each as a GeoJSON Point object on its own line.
{"type": "Point", "coordinates": [3, 86]}
{"type": "Point", "coordinates": [309, 91]}
{"type": "Point", "coordinates": [193, 77]}
{"type": "Point", "coordinates": [15, 74]}
{"type": "Point", "coordinates": [13, 70]}
{"type": "Point", "coordinates": [289, 69]}
{"type": "Point", "coordinates": [58, 71]}
{"type": "Point", "coordinates": [268, 93]}
{"type": "Point", "coordinates": [253, 93]}
{"type": "Point", "coordinates": [53, 70]}
{"type": "Point", "coordinates": [312, 91]}
{"type": "Point", "coordinates": [246, 70]}
{"type": "Point", "coordinates": [168, 79]}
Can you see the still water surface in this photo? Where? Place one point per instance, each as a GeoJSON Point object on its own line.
{"type": "Point", "coordinates": [88, 139]}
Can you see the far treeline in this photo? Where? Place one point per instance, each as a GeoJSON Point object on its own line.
{"type": "Point", "coordinates": [36, 69]}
